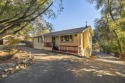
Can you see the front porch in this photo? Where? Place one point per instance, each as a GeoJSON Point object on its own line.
{"type": "Point", "coordinates": [62, 48]}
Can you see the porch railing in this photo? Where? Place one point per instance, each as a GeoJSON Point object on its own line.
{"type": "Point", "coordinates": [69, 49]}
{"type": "Point", "coordinates": [48, 44]}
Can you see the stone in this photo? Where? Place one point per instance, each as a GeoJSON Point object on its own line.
{"type": "Point", "coordinates": [4, 75]}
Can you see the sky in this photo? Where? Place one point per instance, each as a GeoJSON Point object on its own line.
{"type": "Point", "coordinates": [75, 15]}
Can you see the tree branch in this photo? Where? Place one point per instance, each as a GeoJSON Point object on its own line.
{"type": "Point", "coordinates": [23, 18]}
{"type": "Point", "coordinates": [37, 8]}
{"type": "Point", "coordinates": [2, 9]}
{"type": "Point", "coordinates": [28, 8]}
{"type": "Point", "coordinates": [39, 13]}
{"type": "Point", "coordinates": [20, 28]}
{"type": "Point", "coordinates": [11, 23]}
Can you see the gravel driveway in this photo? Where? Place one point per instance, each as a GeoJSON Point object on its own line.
{"type": "Point", "coordinates": [61, 68]}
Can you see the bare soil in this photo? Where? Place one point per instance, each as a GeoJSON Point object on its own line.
{"type": "Point", "coordinates": [52, 67]}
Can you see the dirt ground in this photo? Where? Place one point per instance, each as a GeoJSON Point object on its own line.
{"type": "Point", "coordinates": [52, 67]}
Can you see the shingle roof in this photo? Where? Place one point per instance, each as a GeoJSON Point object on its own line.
{"type": "Point", "coordinates": [69, 31]}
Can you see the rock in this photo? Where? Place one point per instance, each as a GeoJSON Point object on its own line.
{"type": "Point", "coordinates": [4, 75]}
{"type": "Point", "coordinates": [21, 62]}
{"type": "Point", "coordinates": [17, 67]}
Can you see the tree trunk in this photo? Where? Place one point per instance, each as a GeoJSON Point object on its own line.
{"type": "Point", "coordinates": [118, 41]}
{"type": "Point", "coordinates": [114, 31]}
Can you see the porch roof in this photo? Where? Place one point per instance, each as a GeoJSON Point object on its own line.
{"type": "Point", "coordinates": [69, 31]}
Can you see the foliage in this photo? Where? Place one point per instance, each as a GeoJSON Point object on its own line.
{"type": "Point", "coordinates": [25, 33]}
{"type": "Point", "coordinates": [17, 14]}
{"type": "Point", "coordinates": [110, 28]}
{"type": "Point", "coordinates": [40, 26]}
{"type": "Point", "coordinates": [28, 43]}
{"type": "Point", "coordinates": [109, 48]}
{"type": "Point", "coordinates": [11, 42]}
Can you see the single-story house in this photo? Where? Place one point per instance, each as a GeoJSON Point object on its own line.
{"type": "Point", "coordinates": [75, 41]}
{"type": "Point", "coordinates": [38, 42]}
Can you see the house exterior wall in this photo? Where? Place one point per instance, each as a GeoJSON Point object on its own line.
{"type": "Point", "coordinates": [70, 46]}
{"type": "Point", "coordinates": [87, 43]}
{"type": "Point", "coordinates": [47, 39]}
{"type": "Point", "coordinates": [58, 41]}
{"type": "Point", "coordinates": [85, 39]}
{"type": "Point", "coordinates": [37, 44]}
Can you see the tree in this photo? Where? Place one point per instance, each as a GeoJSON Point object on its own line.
{"type": "Point", "coordinates": [40, 26]}
{"type": "Point", "coordinates": [17, 14]}
{"type": "Point", "coordinates": [113, 15]}
{"type": "Point", "coordinates": [24, 33]}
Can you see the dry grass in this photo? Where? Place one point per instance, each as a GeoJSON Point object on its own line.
{"type": "Point", "coordinates": [122, 57]}
{"type": "Point", "coordinates": [2, 53]}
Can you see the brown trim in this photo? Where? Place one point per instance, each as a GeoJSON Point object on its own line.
{"type": "Point", "coordinates": [72, 51]}
{"type": "Point", "coordinates": [47, 44]}
{"type": "Point", "coordinates": [68, 49]}
{"type": "Point", "coordinates": [67, 46]}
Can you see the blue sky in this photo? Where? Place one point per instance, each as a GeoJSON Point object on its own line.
{"type": "Point", "coordinates": [75, 14]}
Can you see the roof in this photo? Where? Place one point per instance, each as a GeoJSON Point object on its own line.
{"type": "Point", "coordinates": [69, 31]}
{"type": "Point", "coordinates": [36, 36]}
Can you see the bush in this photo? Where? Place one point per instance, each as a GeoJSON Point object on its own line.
{"type": "Point", "coordinates": [109, 48]}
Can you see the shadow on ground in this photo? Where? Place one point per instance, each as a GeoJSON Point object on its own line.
{"type": "Point", "coordinates": [59, 68]}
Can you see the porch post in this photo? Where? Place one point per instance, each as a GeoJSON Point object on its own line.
{"type": "Point", "coordinates": [59, 43]}
{"type": "Point", "coordinates": [82, 50]}
{"type": "Point", "coordinates": [78, 44]}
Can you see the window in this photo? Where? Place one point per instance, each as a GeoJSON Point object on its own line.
{"type": "Point", "coordinates": [66, 38]}
{"type": "Point", "coordinates": [38, 39]}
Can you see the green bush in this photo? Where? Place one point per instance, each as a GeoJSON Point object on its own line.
{"type": "Point", "coordinates": [109, 48]}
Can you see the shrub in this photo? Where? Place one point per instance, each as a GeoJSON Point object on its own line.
{"type": "Point", "coordinates": [109, 48]}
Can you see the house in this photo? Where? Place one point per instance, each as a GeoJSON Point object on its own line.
{"type": "Point", "coordinates": [38, 42]}
{"type": "Point", "coordinates": [75, 41]}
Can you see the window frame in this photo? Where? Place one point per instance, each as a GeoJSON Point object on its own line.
{"type": "Point", "coordinates": [62, 41]}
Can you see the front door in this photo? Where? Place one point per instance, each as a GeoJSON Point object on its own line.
{"type": "Point", "coordinates": [54, 41]}
{"type": "Point", "coordinates": [54, 44]}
